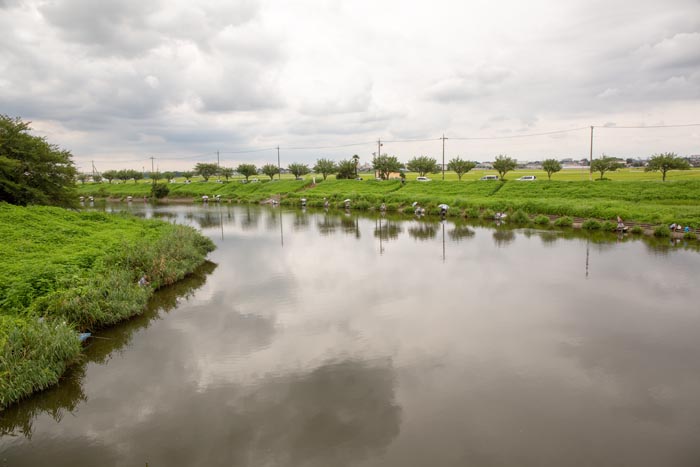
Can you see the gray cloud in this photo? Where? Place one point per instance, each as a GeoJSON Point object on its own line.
{"type": "Point", "coordinates": [110, 79]}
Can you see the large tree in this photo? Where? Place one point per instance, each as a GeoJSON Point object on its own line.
{"type": "Point", "coordinates": [270, 170]}
{"type": "Point", "coordinates": [33, 171]}
{"type": "Point", "coordinates": [504, 164]}
{"type": "Point", "coordinates": [664, 162]}
{"type": "Point", "coordinates": [605, 164]}
{"type": "Point", "coordinates": [298, 169]}
{"type": "Point", "coordinates": [136, 175]}
{"type": "Point", "coordinates": [460, 167]}
{"type": "Point", "coordinates": [346, 170]}
{"type": "Point", "coordinates": [227, 172]}
{"type": "Point", "coordinates": [247, 170]}
{"type": "Point", "coordinates": [206, 170]}
{"type": "Point", "coordinates": [325, 167]}
{"type": "Point", "coordinates": [422, 165]}
{"type": "Point", "coordinates": [110, 175]}
{"type": "Point", "coordinates": [356, 161]}
{"type": "Point", "coordinates": [551, 166]}
{"type": "Point", "coordinates": [384, 165]}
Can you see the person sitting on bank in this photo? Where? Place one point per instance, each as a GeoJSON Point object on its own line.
{"type": "Point", "coordinates": [620, 224]}
{"type": "Point", "coordinates": [143, 282]}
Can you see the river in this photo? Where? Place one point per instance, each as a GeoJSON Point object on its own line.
{"type": "Point", "coordinates": [346, 339]}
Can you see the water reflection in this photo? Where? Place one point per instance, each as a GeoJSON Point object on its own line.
{"type": "Point", "coordinates": [503, 236]}
{"type": "Point", "coordinates": [423, 230]}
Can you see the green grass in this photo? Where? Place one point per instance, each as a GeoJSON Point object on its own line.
{"type": "Point", "coordinates": [65, 271]}
{"type": "Point", "coordinates": [632, 198]}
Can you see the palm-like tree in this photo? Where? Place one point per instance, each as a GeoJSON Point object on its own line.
{"type": "Point", "coordinates": [356, 159]}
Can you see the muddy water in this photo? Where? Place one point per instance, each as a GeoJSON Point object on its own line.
{"type": "Point", "coordinates": [326, 339]}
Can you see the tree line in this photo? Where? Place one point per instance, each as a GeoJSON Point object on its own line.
{"type": "Point", "coordinates": [386, 166]}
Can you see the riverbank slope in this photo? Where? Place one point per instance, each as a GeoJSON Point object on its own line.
{"type": "Point", "coordinates": [652, 202]}
{"type": "Point", "coordinates": [64, 272]}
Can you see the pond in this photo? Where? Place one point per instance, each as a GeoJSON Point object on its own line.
{"type": "Point", "coordinates": [346, 339]}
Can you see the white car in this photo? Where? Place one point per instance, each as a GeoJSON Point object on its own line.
{"type": "Point", "coordinates": [527, 178]}
{"type": "Point", "coordinates": [489, 177]}
{"type": "Point", "coordinates": [422, 179]}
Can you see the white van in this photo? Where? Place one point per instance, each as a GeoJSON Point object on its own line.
{"type": "Point", "coordinates": [489, 177]}
{"type": "Point", "coordinates": [527, 178]}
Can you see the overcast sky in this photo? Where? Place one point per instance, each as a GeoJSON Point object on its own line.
{"type": "Point", "coordinates": [119, 81]}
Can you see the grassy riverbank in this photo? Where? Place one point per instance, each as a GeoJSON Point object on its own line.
{"type": "Point", "coordinates": [645, 201]}
{"type": "Point", "coordinates": [63, 272]}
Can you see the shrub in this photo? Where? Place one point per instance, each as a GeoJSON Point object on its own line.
{"type": "Point", "coordinates": [608, 226]}
{"type": "Point", "coordinates": [160, 190]}
{"type": "Point", "coordinates": [690, 235]}
{"type": "Point", "coordinates": [471, 213]}
{"type": "Point", "coordinates": [637, 229]}
{"type": "Point", "coordinates": [487, 214]}
{"type": "Point", "coordinates": [591, 224]}
{"type": "Point", "coordinates": [520, 217]}
{"type": "Point", "coordinates": [541, 220]}
{"type": "Point", "coordinates": [565, 221]}
{"type": "Point", "coordinates": [662, 231]}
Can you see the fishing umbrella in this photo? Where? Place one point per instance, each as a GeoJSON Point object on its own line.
{"type": "Point", "coordinates": [414, 204]}
{"type": "Point", "coordinates": [347, 200]}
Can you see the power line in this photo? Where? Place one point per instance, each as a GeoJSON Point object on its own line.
{"type": "Point", "coordinates": [522, 136]}
{"type": "Point", "coordinates": [648, 126]}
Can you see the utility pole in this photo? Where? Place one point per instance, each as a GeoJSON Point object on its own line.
{"type": "Point", "coordinates": [443, 155]}
{"type": "Point", "coordinates": [590, 167]}
{"type": "Point", "coordinates": [379, 147]}
{"type": "Point", "coordinates": [152, 170]}
{"type": "Point", "coordinates": [279, 167]}
{"type": "Point", "coordinates": [217, 159]}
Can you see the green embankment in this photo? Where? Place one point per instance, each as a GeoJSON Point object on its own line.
{"type": "Point", "coordinates": [649, 201]}
{"type": "Point", "coordinates": [64, 272]}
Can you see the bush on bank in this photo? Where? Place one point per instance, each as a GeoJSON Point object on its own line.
{"type": "Point", "coordinates": [65, 271]}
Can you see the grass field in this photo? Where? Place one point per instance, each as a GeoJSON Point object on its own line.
{"type": "Point", "coordinates": [632, 194]}
{"type": "Point", "coordinates": [65, 271]}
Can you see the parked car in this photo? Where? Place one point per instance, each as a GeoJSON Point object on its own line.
{"type": "Point", "coordinates": [422, 179]}
{"type": "Point", "coordinates": [489, 177]}
{"type": "Point", "coordinates": [527, 178]}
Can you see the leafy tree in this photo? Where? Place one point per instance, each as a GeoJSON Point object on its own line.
{"type": "Point", "coordinates": [123, 175]}
{"type": "Point", "coordinates": [188, 175]}
{"type": "Point", "coordinates": [346, 169]}
{"type": "Point", "coordinates": [504, 164]}
{"type": "Point", "coordinates": [82, 178]}
{"type": "Point", "coordinates": [227, 172]}
{"type": "Point", "coordinates": [423, 165]}
{"type": "Point", "coordinates": [247, 170]}
{"type": "Point", "coordinates": [298, 169]}
{"type": "Point", "coordinates": [551, 166]}
{"type": "Point", "coordinates": [33, 171]}
{"type": "Point", "coordinates": [155, 176]}
{"type": "Point", "coordinates": [325, 167]}
{"type": "Point", "coordinates": [270, 170]}
{"type": "Point", "coordinates": [135, 174]}
{"type": "Point", "coordinates": [206, 170]}
{"type": "Point", "coordinates": [168, 175]}
{"type": "Point", "coordinates": [460, 167]}
{"type": "Point", "coordinates": [664, 162]}
{"type": "Point", "coordinates": [605, 164]}
{"type": "Point", "coordinates": [97, 178]}
{"type": "Point", "coordinates": [110, 175]}
{"type": "Point", "coordinates": [356, 162]}
{"type": "Point", "coordinates": [385, 165]}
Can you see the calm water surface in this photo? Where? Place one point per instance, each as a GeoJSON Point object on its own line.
{"type": "Point", "coordinates": [326, 339]}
